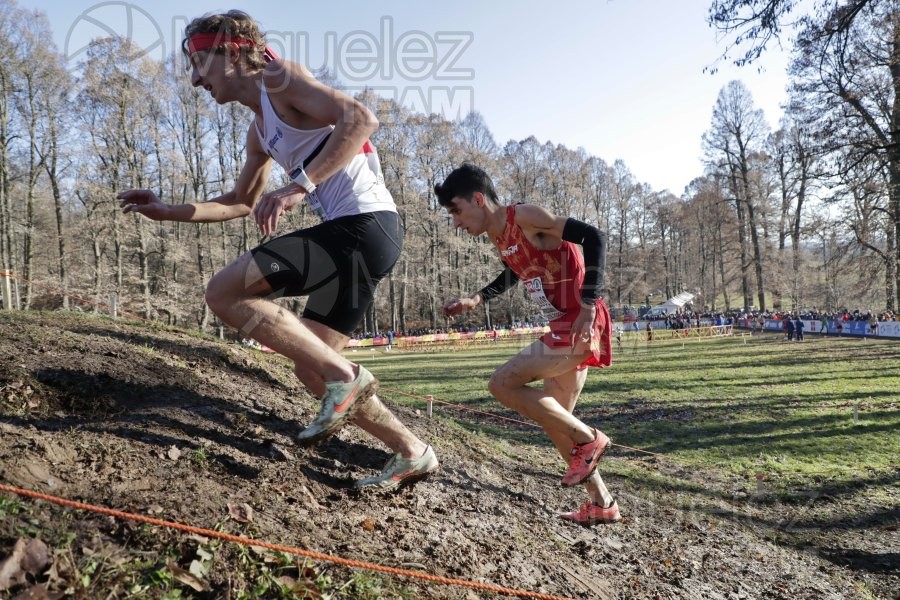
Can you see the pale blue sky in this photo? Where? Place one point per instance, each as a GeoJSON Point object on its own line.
{"type": "Point", "coordinates": [620, 78]}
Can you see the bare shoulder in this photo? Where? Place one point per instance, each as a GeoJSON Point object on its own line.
{"type": "Point", "coordinates": [541, 227]}
{"type": "Point", "coordinates": [530, 215]}
{"type": "Point", "coordinates": [280, 76]}
{"type": "Point", "coordinates": [534, 217]}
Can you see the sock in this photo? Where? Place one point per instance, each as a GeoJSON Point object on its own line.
{"type": "Point", "coordinates": [604, 505]}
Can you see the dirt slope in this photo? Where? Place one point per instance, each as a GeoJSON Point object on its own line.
{"type": "Point", "coordinates": [156, 421]}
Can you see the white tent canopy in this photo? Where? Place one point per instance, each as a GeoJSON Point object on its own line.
{"type": "Point", "coordinates": [672, 304]}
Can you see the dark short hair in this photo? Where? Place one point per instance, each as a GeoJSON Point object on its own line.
{"type": "Point", "coordinates": [463, 182]}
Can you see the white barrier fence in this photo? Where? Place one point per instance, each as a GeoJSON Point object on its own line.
{"type": "Point", "coordinates": [886, 329]}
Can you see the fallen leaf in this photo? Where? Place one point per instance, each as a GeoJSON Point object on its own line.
{"type": "Point", "coordinates": [242, 513]}
{"type": "Point", "coordinates": [204, 554]}
{"type": "Point", "coordinates": [303, 588]}
{"type": "Point", "coordinates": [29, 556]}
{"type": "Point", "coordinates": [11, 571]}
{"type": "Point", "coordinates": [36, 592]}
{"type": "Point", "coordinates": [199, 569]}
{"type": "Point", "coordinates": [37, 557]}
{"type": "Point", "coordinates": [186, 578]}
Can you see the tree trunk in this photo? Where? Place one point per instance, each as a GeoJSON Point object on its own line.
{"type": "Point", "coordinates": [98, 270]}
{"type": "Point", "coordinates": [5, 225]}
{"type": "Point", "coordinates": [742, 235]}
{"type": "Point", "coordinates": [722, 270]}
{"type": "Point", "coordinates": [777, 292]}
{"type": "Point", "coordinates": [893, 150]}
{"type": "Point", "coordinates": [201, 268]}
{"type": "Point", "coordinates": [144, 266]}
{"type": "Point", "coordinates": [401, 308]}
{"type": "Point", "coordinates": [665, 258]}
{"type": "Point", "coordinates": [752, 226]}
{"type": "Point", "coordinates": [372, 318]}
{"type": "Point", "coordinates": [715, 288]}
{"type": "Point", "coordinates": [50, 166]}
{"type": "Point", "coordinates": [392, 301]}
{"type": "Point", "coordinates": [795, 236]}
{"type": "Point", "coordinates": [891, 281]}
{"type": "Point", "coordinates": [757, 256]}
{"type": "Point", "coordinates": [34, 166]}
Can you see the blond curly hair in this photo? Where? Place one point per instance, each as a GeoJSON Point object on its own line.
{"type": "Point", "coordinates": [234, 23]}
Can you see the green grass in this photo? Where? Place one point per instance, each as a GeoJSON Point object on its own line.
{"type": "Point", "coordinates": [824, 408]}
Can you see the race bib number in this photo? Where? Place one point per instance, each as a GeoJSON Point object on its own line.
{"type": "Point", "coordinates": [535, 289]}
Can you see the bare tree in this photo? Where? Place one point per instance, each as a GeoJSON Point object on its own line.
{"type": "Point", "coordinates": [524, 168]}
{"type": "Point", "coordinates": [737, 131]}
{"type": "Point", "coordinates": [853, 77]}
{"type": "Point", "coordinates": [394, 140]}
{"type": "Point", "coordinates": [54, 106]}
{"type": "Point", "coordinates": [848, 56]}
{"type": "Point", "coordinates": [753, 24]}
{"type": "Point", "coordinates": [9, 18]}
{"type": "Point", "coordinates": [475, 138]}
{"type": "Point", "coordinates": [623, 200]}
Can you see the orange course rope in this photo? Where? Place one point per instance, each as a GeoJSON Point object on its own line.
{"type": "Point", "coordinates": [357, 564]}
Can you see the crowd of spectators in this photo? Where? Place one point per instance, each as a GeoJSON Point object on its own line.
{"type": "Point", "coordinates": [683, 319]}
{"type": "Point", "coordinates": [845, 314]}
{"type": "Point", "coordinates": [686, 318]}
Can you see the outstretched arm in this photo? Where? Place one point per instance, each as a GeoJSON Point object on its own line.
{"type": "Point", "coordinates": [230, 205]}
{"type": "Point", "coordinates": [504, 281]}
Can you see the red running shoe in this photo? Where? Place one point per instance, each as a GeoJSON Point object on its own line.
{"type": "Point", "coordinates": [591, 514]}
{"type": "Point", "coordinates": [585, 458]}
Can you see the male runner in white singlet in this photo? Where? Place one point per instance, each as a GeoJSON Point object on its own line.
{"type": "Point", "coordinates": [320, 136]}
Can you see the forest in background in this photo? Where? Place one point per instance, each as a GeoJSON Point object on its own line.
{"type": "Point", "coordinates": [806, 214]}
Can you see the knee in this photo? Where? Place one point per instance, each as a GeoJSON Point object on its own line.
{"type": "Point", "coordinates": [499, 388]}
{"type": "Point", "coordinates": [217, 293]}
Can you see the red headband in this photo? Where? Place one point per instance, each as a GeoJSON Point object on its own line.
{"type": "Point", "coordinates": [206, 41]}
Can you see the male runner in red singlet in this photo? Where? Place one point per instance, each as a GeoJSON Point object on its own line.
{"type": "Point", "coordinates": [320, 137]}
{"type": "Point", "coordinates": [538, 249]}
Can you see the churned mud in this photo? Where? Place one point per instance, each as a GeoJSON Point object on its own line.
{"type": "Point", "coordinates": [158, 422]}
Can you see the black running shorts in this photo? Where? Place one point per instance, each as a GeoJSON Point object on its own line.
{"type": "Point", "coordinates": [337, 264]}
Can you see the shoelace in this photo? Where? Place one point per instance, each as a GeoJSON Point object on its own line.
{"type": "Point", "coordinates": [579, 449]}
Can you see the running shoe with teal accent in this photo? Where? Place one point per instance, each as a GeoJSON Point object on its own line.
{"type": "Point", "coordinates": [585, 458]}
{"type": "Point", "coordinates": [593, 514]}
{"type": "Point", "coordinates": [339, 405]}
{"type": "Point", "coordinates": [402, 471]}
